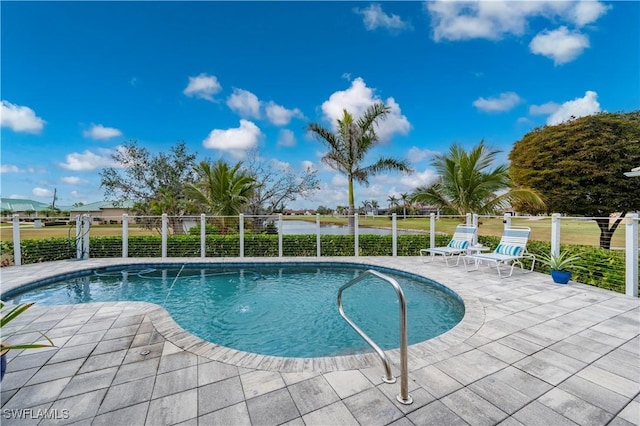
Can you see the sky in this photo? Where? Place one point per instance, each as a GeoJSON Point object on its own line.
{"type": "Point", "coordinates": [79, 79]}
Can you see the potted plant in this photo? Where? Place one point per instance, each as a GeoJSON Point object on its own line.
{"type": "Point", "coordinates": [6, 316]}
{"type": "Point", "coordinates": [561, 265]}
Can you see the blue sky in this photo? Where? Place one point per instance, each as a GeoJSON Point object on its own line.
{"type": "Point", "coordinates": [80, 78]}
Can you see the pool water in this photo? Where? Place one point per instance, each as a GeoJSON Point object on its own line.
{"type": "Point", "coordinates": [281, 311]}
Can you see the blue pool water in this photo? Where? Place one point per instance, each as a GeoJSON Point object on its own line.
{"type": "Point", "coordinates": [281, 311]}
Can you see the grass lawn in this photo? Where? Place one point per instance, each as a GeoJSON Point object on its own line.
{"type": "Point", "coordinates": [573, 231]}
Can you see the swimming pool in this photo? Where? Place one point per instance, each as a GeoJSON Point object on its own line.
{"type": "Point", "coordinates": [287, 310]}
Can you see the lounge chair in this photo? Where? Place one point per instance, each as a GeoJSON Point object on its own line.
{"type": "Point", "coordinates": [462, 238]}
{"type": "Point", "coordinates": [510, 251]}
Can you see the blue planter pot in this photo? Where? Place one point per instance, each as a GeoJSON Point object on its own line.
{"type": "Point", "coordinates": [3, 366]}
{"type": "Point", "coordinates": [560, 277]}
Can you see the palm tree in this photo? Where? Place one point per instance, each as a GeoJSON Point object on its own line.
{"type": "Point", "coordinates": [374, 207]}
{"type": "Point", "coordinates": [366, 205]}
{"type": "Point", "coordinates": [405, 197]}
{"type": "Point", "coordinates": [221, 190]}
{"type": "Point", "coordinates": [348, 146]}
{"type": "Point", "coordinates": [468, 185]}
{"type": "Point", "coordinates": [393, 201]}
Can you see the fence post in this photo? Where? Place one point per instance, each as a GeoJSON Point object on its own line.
{"type": "Point", "coordinates": [164, 235]}
{"type": "Point", "coordinates": [241, 234]}
{"type": "Point", "coordinates": [631, 243]}
{"type": "Point", "coordinates": [555, 234]}
{"type": "Point", "coordinates": [318, 251]}
{"type": "Point", "coordinates": [125, 235]}
{"type": "Point", "coordinates": [203, 235]}
{"type": "Point", "coordinates": [79, 220]}
{"type": "Point", "coordinates": [468, 219]}
{"type": "Point", "coordinates": [432, 230]}
{"type": "Point", "coordinates": [507, 220]}
{"type": "Point", "coordinates": [86, 225]}
{"type": "Point", "coordinates": [279, 234]}
{"type": "Point", "coordinates": [17, 254]}
{"type": "Point", "coordinates": [394, 235]}
{"type": "Point", "coordinates": [356, 242]}
{"type": "Point", "coordinates": [474, 223]}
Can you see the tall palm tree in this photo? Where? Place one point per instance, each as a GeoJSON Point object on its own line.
{"type": "Point", "coordinates": [221, 190]}
{"type": "Point", "coordinates": [466, 184]}
{"type": "Point", "coordinates": [405, 197]}
{"type": "Point", "coordinates": [374, 207]}
{"type": "Point", "coordinates": [349, 144]}
{"type": "Point", "coordinates": [393, 201]}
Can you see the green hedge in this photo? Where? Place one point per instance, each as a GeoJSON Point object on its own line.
{"type": "Point", "coordinates": [602, 268]}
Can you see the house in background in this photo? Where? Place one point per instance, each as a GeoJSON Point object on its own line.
{"type": "Point", "coordinates": [27, 209]}
{"type": "Point", "coordinates": [103, 212]}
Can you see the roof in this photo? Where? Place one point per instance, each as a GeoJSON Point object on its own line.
{"type": "Point", "coordinates": [22, 205]}
{"type": "Point", "coordinates": [101, 205]}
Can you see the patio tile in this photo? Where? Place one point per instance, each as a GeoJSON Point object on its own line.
{"type": "Point", "coordinates": [94, 325]}
{"type": "Point", "coordinates": [402, 422]}
{"type": "Point", "coordinates": [133, 415]}
{"type": "Point", "coordinates": [472, 408]}
{"type": "Point", "coordinates": [631, 413]}
{"type": "Point", "coordinates": [520, 344]}
{"type": "Point", "coordinates": [130, 393]}
{"type": "Point", "coordinates": [312, 394]}
{"type": "Point", "coordinates": [81, 383]}
{"type": "Point", "coordinates": [113, 345]}
{"type": "Point", "coordinates": [217, 395]}
{"type": "Point", "coordinates": [6, 395]}
{"type": "Point", "coordinates": [502, 352]}
{"type": "Point", "coordinates": [537, 414]}
{"type": "Point", "coordinates": [610, 381]}
{"type": "Point", "coordinates": [177, 361]}
{"type": "Point", "coordinates": [347, 383]}
{"type": "Point", "coordinates": [35, 395]}
{"type": "Point", "coordinates": [436, 414]}
{"type": "Point", "coordinates": [234, 415]}
{"type": "Point", "coordinates": [136, 370]}
{"type": "Point", "coordinates": [83, 339]}
{"type": "Point", "coordinates": [619, 421]}
{"type": "Point", "coordinates": [594, 394]}
{"type": "Point", "coordinates": [435, 381]}
{"type": "Point", "coordinates": [23, 362]}
{"type": "Point", "coordinates": [115, 333]}
{"type": "Point", "coordinates": [510, 421]}
{"type": "Point", "coordinates": [142, 353]}
{"type": "Point", "coordinates": [175, 381]}
{"type": "Point", "coordinates": [500, 394]}
{"type": "Point", "coordinates": [625, 366]}
{"type": "Point", "coordinates": [334, 414]}
{"type": "Point", "coordinates": [523, 382]}
{"type": "Point", "coordinates": [79, 407]}
{"type": "Point", "coordinates": [371, 407]}
{"type": "Point", "coordinates": [574, 351]}
{"type": "Point", "coordinates": [543, 370]}
{"type": "Point", "coordinates": [24, 417]}
{"type": "Point", "coordinates": [260, 382]}
{"type": "Point", "coordinates": [99, 362]}
{"type": "Point", "coordinates": [470, 366]}
{"type": "Point", "coordinates": [56, 371]}
{"type": "Point", "coordinates": [17, 379]}
{"type": "Point", "coordinates": [214, 371]}
{"type": "Point", "coordinates": [174, 408]}
{"type": "Point", "coordinates": [575, 408]}
{"type": "Point", "coordinates": [272, 408]}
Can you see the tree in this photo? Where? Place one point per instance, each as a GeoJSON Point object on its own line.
{"type": "Point", "coordinates": [467, 184]}
{"type": "Point", "coordinates": [374, 207]}
{"type": "Point", "coordinates": [406, 201]}
{"type": "Point", "coordinates": [393, 201]}
{"type": "Point", "coordinates": [221, 190]}
{"type": "Point", "coordinates": [579, 167]}
{"type": "Point", "coordinates": [348, 146]}
{"type": "Point", "coordinates": [276, 186]}
{"type": "Point", "coordinates": [145, 178]}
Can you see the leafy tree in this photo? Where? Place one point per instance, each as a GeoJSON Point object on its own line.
{"type": "Point", "coordinates": [393, 201]}
{"type": "Point", "coordinates": [406, 203]}
{"type": "Point", "coordinates": [154, 182]}
{"type": "Point", "coordinates": [322, 210]}
{"type": "Point", "coordinates": [374, 207]}
{"type": "Point", "coordinates": [468, 184]}
{"type": "Point", "coordinates": [348, 146]}
{"type": "Point", "coordinates": [579, 167]}
{"type": "Point", "coordinates": [221, 190]}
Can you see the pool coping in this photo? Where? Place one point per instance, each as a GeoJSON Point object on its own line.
{"type": "Point", "coordinates": [420, 354]}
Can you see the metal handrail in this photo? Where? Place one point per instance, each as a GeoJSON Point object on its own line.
{"type": "Point", "coordinates": [403, 397]}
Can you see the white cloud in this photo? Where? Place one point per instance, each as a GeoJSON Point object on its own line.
{"type": "Point", "coordinates": [356, 100]}
{"type": "Point", "coordinates": [286, 138]}
{"type": "Point", "coordinates": [236, 141]}
{"type": "Point", "coordinates": [9, 168]}
{"type": "Point", "coordinates": [465, 20]}
{"type": "Point", "coordinates": [339, 180]}
{"type": "Point", "coordinates": [20, 118]}
{"type": "Point", "coordinates": [72, 180]}
{"type": "Point", "coordinates": [416, 154]}
{"type": "Point", "coordinates": [544, 109]}
{"type": "Point", "coordinates": [281, 116]}
{"type": "Point", "coordinates": [308, 165]}
{"type": "Point", "coordinates": [76, 194]}
{"type": "Point", "coordinates": [18, 196]}
{"type": "Point", "coordinates": [203, 86]}
{"type": "Point", "coordinates": [281, 165]}
{"type": "Point", "coordinates": [505, 102]}
{"type": "Point", "coordinates": [374, 17]}
{"type": "Point", "coordinates": [244, 103]}
{"type": "Point", "coordinates": [98, 131]}
{"type": "Point", "coordinates": [89, 160]}
{"type": "Point", "coordinates": [561, 45]}
{"type": "Point", "coordinates": [416, 179]}
{"type": "Point", "coordinates": [41, 192]}
{"type": "Point", "coordinates": [579, 107]}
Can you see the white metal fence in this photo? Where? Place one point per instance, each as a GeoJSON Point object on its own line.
{"type": "Point", "coordinates": [277, 236]}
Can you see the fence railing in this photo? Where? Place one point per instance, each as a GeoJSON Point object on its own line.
{"type": "Point", "coordinates": [315, 236]}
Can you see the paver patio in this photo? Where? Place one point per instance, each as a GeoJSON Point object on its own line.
{"type": "Point", "coordinates": [528, 352]}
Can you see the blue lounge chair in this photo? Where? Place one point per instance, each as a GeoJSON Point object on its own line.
{"type": "Point", "coordinates": [462, 238]}
{"type": "Point", "coordinates": [509, 253]}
